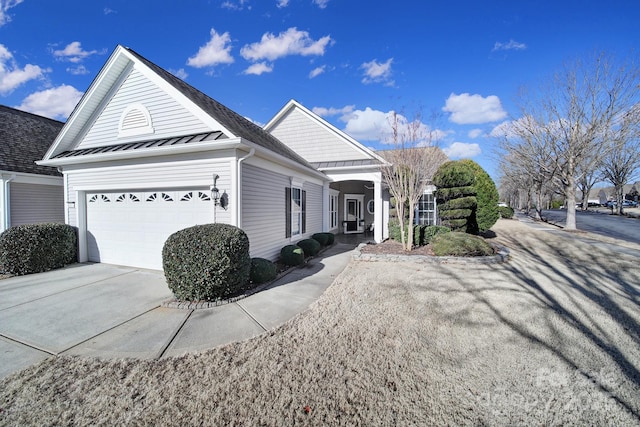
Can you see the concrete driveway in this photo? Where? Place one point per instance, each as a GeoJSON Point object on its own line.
{"type": "Point", "coordinates": [109, 311]}
{"type": "Point", "coordinates": [51, 313]}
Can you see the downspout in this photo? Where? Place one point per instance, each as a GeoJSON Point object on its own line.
{"type": "Point", "coordinates": [239, 183]}
{"type": "Point", "coordinates": [7, 202]}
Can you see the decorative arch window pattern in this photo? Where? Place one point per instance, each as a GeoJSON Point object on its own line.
{"type": "Point", "coordinates": [121, 198]}
{"type": "Point", "coordinates": [99, 198]}
{"type": "Point", "coordinates": [187, 197]}
{"type": "Point", "coordinates": [135, 120]}
{"type": "Point", "coordinates": [203, 196]}
{"type": "Point", "coordinates": [124, 197]}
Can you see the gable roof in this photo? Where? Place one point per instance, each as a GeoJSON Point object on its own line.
{"type": "Point", "coordinates": [371, 157]}
{"type": "Point", "coordinates": [25, 138]}
{"type": "Point", "coordinates": [119, 64]}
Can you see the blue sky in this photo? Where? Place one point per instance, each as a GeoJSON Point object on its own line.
{"type": "Point", "coordinates": [459, 62]}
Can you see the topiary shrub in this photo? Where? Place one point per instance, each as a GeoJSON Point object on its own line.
{"type": "Point", "coordinates": [207, 262]}
{"type": "Point", "coordinates": [262, 270]}
{"type": "Point", "coordinates": [34, 248]}
{"type": "Point", "coordinates": [456, 196]}
{"type": "Point", "coordinates": [311, 247]}
{"type": "Point", "coordinates": [321, 238]}
{"type": "Point", "coordinates": [505, 212]}
{"type": "Point", "coordinates": [433, 230]}
{"type": "Point", "coordinates": [486, 195]}
{"type": "Point", "coordinates": [460, 244]}
{"type": "Point", "coordinates": [292, 255]}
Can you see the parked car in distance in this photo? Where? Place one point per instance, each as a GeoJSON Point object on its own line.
{"type": "Point", "coordinates": [629, 204]}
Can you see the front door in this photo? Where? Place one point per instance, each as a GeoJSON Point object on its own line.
{"type": "Point", "coordinates": [353, 213]}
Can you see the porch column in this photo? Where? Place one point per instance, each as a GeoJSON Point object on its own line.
{"type": "Point", "coordinates": [378, 217]}
{"type": "Point", "coordinates": [325, 207]}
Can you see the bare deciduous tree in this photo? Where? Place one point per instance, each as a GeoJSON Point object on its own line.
{"type": "Point", "coordinates": [413, 161]}
{"type": "Point", "coordinates": [573, 113]}
{"type": "Point", "coordinates": [621, 162]}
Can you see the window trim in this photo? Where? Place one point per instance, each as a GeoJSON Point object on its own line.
{"type": "Point", "coordinates": [289, 213]}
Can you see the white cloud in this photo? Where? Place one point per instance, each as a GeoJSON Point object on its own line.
{"type": "Point", "coordinates": [510, 45]}
{"type": "Point", "coordinates": [258, 68]}
{"type": "Point", "coordinates": [80, 70]}
{"type": "Point", "coordinates": [289, 42]}
{"type": "Point", "coordinates": [462, 150]}
{"type": "Point", "coordinates": [108, 11]}
{"type": "Point", "coordinates": [5, 5]}
{"type": "Point", "coordinates": [216, 51]}
{"type": "Point", "coordinates": [376, 72]}
{"type": "Point", "coordinates": [12, 76]}
{"type": "Point", "coordinates": [321, 3]}
{"type": "Point", "coordinates": [373, 125]}
{"type": "Point", "coordinates": [73, 52]}
{"type": "Point", "coordinates": [474, 133]}
{"type": "Point", "coordinates": [235, 5]}
{"type": "Point", "coordinates": [282, 3]}
{"type": "Point", "coordinates": [474, 109]}
{"type": "Point", "coordinates": [180, 73]}
{"type": "Point", "coordinates": [317, 71]}
{"type": "Point", "coordinates": [56, 103]}
{"type": "Point", "coordinates": [344, 112]}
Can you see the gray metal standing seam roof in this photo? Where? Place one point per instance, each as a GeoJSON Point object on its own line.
{"type": "Point", "coordinates": [25, 138]}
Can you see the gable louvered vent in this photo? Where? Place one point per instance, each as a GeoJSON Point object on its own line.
{"type": "Point", "coordinates": [135, 120]}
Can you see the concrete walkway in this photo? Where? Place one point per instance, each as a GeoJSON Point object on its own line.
{"type": "Point", "coordinates": [115, 312]}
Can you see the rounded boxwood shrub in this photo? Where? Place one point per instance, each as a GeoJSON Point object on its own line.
{"type": "Point", "coordinates": [505, 212]}
{"type": "Point", "coordinates": [460, 244]}
{"type": "Point", "coordinates": [432, 231]}
{"type": "Point", "coordinates": [206, 262]}
{"type": "Point", "coordinates": [330, 238]}
{"type": "Point", "coordinates": [34, 248]}
{"type": "Point", "coordinates": [262, 270]}
{"type": "Point", "coordinates": [321, 238]}
{"type": "Point", "coordinates": [292, 255]}
{"type": "Point", "coordinates": [311, 247]}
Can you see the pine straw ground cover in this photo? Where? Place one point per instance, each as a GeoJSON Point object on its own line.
{"type": "Point", "coordinates": [550, 338]}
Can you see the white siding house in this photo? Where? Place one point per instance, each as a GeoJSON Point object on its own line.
{"type": "Point", "coordinates": [142, 152]}
{"type": "Point", "coordinates": [29, 193]}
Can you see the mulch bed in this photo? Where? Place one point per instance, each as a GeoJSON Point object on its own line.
{"type": "Point", "coordinates": [392, 247]}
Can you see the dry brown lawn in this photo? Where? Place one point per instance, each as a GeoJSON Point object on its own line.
{"type": "Point", "coordinates": [550, 338]}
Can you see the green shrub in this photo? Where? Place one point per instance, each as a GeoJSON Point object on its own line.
{"type": "Point", "coordinates": [262, 270]}
{"type": "Point", "coordinates": [35, 248]}
{"type": "Point", "coordinates": [207, 262]}
{"type": "Point", "coordinates": [311, 247]}
{"type": "Point", "coordinates": [292, 255]}
{"type": "Point", "coordinates": [330, 238]}
{"type": "Point", "coordinates": [455, 182]}
{"type": "Point", "coordinates": [505, 212]}
{"type": "Point", "coordinates": [418, 235]}
{"type": "Point", "coordinates": [486, 195]}
{"type": "Point", "coordinates": [433, 230]}
{"type": "Point", "coordinates": [460, 244]}
{"type": "Point", "coordinates": [394, 229]}
{"type": "Point", "coordinates": [321, 238]}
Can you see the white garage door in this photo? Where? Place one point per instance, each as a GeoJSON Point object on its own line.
{"type": "Point", "coordinates": [130, 228]}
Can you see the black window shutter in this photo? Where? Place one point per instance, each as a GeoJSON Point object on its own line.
{"type": "Point", "coordinates": [304, 211]}
{"type": "Point", "coordinates": [287, 211]}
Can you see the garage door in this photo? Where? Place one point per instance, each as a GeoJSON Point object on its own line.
{"type": "Point", "coordinates": [130, 228]}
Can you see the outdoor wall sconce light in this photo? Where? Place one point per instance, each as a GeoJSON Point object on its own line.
{"type": "Point", "coordinates": [215, 193]}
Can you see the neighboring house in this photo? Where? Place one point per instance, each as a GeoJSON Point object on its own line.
{"type": "Point", "coordinates": [29, 193]}
{"type": "Point", "coordinates": [357, 200]}
{"type": "Point", "coordinates": [141, 155]}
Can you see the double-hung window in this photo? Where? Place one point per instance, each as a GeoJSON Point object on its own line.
{"type": "Point", "coordinates": [426, 210]}
{"type": "Point", "coordinates": [295, 217]}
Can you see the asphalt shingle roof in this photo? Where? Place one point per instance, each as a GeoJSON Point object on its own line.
{"type": "Point", "coordinates": [231, 120]}
{"type": "Point", "coordinates": [25, 138]}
